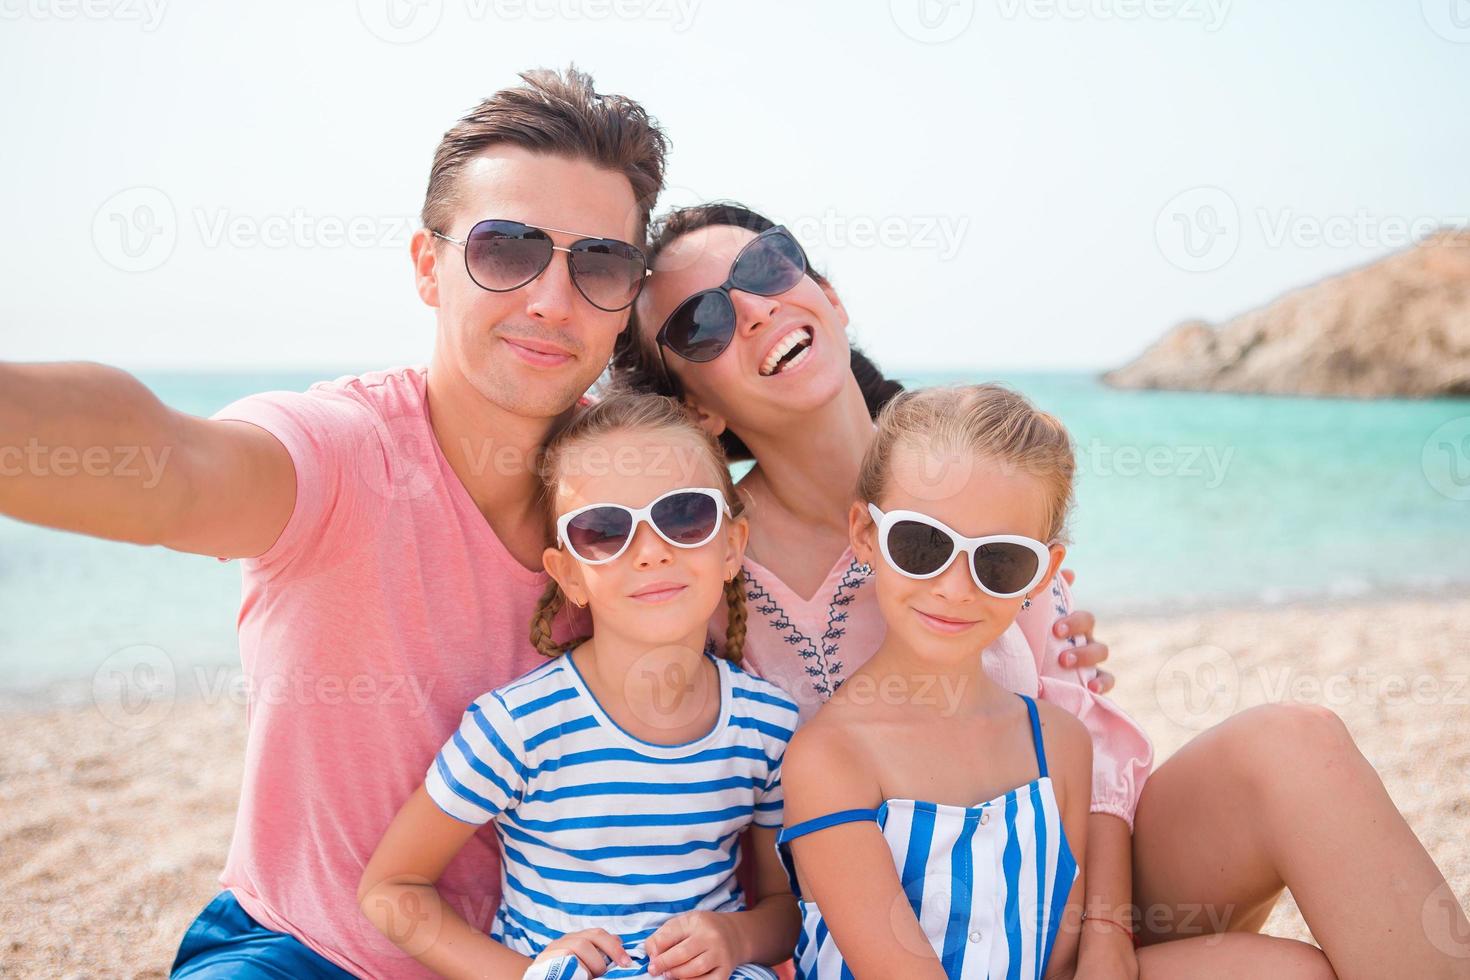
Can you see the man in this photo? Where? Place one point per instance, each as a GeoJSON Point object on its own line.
{"type": "Point", "coordinates": [389, 523]}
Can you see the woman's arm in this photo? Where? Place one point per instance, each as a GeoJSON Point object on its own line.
{"type": "Point", "coordinates": [1122, 754]}
{"type": "Point", "coordinates": [397, 894]}
{"type": "Point", "coordinates": [1107, 951]}
{"type": "Point", "coordinates": [847, 869]}
{"type": "Point", "coordinates": [1122, 757]}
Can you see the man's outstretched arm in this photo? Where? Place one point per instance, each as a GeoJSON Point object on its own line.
{"type": "Point", "coordinates": [88, 448]}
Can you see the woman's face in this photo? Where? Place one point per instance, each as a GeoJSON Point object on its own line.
{"type": "Point", "coordinates": [749, 388]}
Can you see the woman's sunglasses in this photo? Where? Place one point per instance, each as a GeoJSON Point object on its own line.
{"type": "Point", "coordinates": [702, 326]}
{"type": "Point", "coordinates": [598, 533]}
{"type": "Point", "coordinates": [916, 545]}
{"type": "Point", "coordinates": [504, 255]}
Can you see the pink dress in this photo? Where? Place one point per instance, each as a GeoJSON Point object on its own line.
{"type": "Point", "coordinates": [810, 646]}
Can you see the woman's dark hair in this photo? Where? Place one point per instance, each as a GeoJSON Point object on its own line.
{"type": "Point", "coordinates": [635, 361]}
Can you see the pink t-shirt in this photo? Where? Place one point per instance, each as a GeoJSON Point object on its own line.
{"type": "Point", "coordinates": [384, 609]}
{"type": "Point", "coordinates": [809, 646]}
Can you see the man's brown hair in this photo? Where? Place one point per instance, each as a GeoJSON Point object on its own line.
{"type": "Point", "coordinates": [560, 113]}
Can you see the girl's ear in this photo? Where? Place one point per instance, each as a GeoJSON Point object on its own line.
{"type": "Point", "coordinates": [836, 302]}
{"type": "Point", "coordinates": [862, 533]}
{"type": "Point", "coordinates": [737, 535]}
{"type": "Point", "coordinates": [567, 572]}
{"type": "Point", "coordinates": [711, 422]}
{"type": "Point", "coordinates": [1058, 554]}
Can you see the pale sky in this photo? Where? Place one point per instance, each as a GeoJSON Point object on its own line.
{"type": "Point", "coordinates": [1009, 184]}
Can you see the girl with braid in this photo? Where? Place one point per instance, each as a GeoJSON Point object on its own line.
{"type": "Point", "coordinates": [620, 776]}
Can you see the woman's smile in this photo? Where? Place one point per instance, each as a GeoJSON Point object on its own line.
{"type": "Point", "coordinates": [793, 349]}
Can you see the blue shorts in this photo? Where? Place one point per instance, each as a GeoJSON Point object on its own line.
{"type": "Point", "coordinates": [225, 942]}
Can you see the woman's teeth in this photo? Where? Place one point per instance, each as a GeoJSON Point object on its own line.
{"type": "Point", "coordinates": [797, 344]}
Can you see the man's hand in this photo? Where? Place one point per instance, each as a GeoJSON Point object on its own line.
{"type": "Point", "coordinates": [1089, 652]}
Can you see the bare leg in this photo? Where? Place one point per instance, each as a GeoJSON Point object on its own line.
{"type": "Point", "coordinates": [1232, 956]}
{"type": "Point", "coordinates": [1277, 797]}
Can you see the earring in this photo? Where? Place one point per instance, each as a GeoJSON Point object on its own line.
{"type": "Point", "coordinates": [1026, 604]}
{"type": "Point", "coordinates": [865, 569]}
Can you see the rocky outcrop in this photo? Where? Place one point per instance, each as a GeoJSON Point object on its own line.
{"type": "Point", "coordinates": [1397, 328]}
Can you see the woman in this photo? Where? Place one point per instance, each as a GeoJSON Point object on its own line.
{"type": "Point", "coordinates": [762, 356]}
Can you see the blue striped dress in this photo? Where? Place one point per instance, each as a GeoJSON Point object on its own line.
{"type": "Point", "coordinates": [988, 883]}
{"type": "Point", "coordinates": [599, 829]}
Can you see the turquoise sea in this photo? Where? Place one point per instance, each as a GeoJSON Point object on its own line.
{"type": "Point", "coordinates": [1184, 500]}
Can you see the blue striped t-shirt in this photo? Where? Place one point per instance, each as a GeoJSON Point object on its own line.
{"type": "Point", "coordinates": [599, 828]}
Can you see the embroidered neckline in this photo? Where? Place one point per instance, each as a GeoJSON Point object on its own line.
{"type": "Point", "coordinates": [819, 655]}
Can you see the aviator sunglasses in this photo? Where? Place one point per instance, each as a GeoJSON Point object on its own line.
{"type": "Point", "coordinates": [701, 327]}
{"type": "Point", "coordinates": [502, 256]}
{"type": "Point", "coordinates": [916, 545]}
{"type": "Point", "coordinates": [598, 533]}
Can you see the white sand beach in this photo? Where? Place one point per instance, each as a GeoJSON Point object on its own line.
{"type": "Point", "coordinates": [112, 836]}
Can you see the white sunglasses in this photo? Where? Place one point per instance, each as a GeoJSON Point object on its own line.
{"type": "Point", "coordinates": [918, 546]}
{"type": "Point", "coordinates": [686, 518]}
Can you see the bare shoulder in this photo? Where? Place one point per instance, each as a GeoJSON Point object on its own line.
{"type": "Point", "coordinates": [1067, 741]}
{"type": "Point", "coordinates": [825, 769]}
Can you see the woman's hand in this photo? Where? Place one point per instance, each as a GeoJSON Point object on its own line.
{"type": "Point", "coordinates": [593, 948]}
{"type": "Point", "coordinates": [1106, 954]}
{"type": "Point", "coordinates": [695, 946]}
{"type": "Point", "coordinates": [1089, 653]}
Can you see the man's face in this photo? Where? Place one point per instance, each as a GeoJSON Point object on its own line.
{"type": "Point", "coordinates": [532, 351]}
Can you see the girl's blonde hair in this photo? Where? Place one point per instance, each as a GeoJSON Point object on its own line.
{"type": "Point", "coordinates": [985, 420]}
{"type": "Point", "coordinates": [624, 411]}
